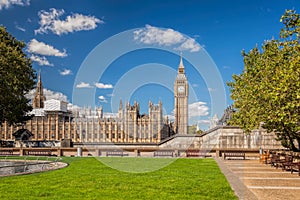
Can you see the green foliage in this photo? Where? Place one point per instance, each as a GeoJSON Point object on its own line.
{"type": "Point", "coordinates": [268, 90]}
{"type": "Point", "coordinates": [88, 178]}
{"type": "Point", "coordinates": [17, 78]}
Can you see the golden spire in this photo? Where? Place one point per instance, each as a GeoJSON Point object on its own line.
{"type": "Point", "coordinates": [181, 66]}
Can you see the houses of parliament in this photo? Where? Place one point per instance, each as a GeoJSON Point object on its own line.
{"type": "Point", "coordinates": [52, 121]}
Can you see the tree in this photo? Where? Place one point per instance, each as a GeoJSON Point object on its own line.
{"type": "Point", "coordinates": [17, 78]}
{"type": "Point", "coordinates": [268, 90]}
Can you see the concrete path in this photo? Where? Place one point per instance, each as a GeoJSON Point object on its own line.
{"type": "Point", "coordinates": [252, 180]}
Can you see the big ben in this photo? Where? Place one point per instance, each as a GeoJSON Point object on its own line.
{"type": "Point", "coordinates": [181, 94]}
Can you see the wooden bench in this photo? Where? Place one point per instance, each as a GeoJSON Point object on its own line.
{"type": "Point", "coordinates": [38, 152]}
{"type": "Point", "coordinates": [164, 153]}
{"type": "Point", "coordinates": [274, 160]}
{"type": "Point", "coordinates": [196, 153]}
{"type": "Point", "coordinates": [295, 166]}
{"type": "Point", "coordinates": [115, 152]}
{"type": "Point", "coordinates": [285, 163]}
{"type": "Point", "coordinates": [6, 152]}
{"type": "Point", "coordinates": [234, 155]}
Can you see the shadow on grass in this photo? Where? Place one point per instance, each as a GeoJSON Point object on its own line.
{"type": "Point", "coordinates": [136, 165]}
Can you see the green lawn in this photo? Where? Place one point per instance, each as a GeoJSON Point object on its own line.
{"type": "Point", "coordinates": [87, 178]}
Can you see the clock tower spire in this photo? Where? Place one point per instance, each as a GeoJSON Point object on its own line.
{"type": "Point", "coordinates": [181, 93]}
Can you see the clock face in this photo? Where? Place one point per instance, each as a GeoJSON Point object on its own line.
{"type": "Point", "coordinates": [180, 88]}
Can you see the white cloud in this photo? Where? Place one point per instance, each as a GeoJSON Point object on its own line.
{"type": "Point", "coordinates": [110, 115]}
{"type": "Point", "coordinates": [55, 95]}
{"type": "Point", "coordinates": [103, 86]}
{"type": "Point", "coordinates": [65, 72]}
{"type": "Point", "coordinates": [166, 37]}
{"type": "Point", "coordinates": [73, 107]}
{"type": "Point", "coordinates": [102, 99]}
{"type": "Point", "coordinates": [198, 109]}
{"type": "Point", "coordinates": [189, 44]}
{"type": "Point", "coordinates": [49, 94]}
{"type": "Point", "coordinates": [154, 35]}
{"type": "Point", "coordinates": [20, 28]}
{"type": "Point", "coordinates": [204, 121]}
{"type": "Point", "coordinates": [41, 48]}
{"type": "Point", "coordinates": [41, 60]}
{"type": "Point", "coordinates": [170, 117]}
{"type": "Point", "coordinates": [83, 85]}
{"type": "Point", "coordinates": [8, 3]}
{"type": "Point", "coordinates": [49, 21]}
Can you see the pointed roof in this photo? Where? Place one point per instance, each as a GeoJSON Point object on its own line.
{"type": "Point", "coordinates": [39, 78]}
{"type": "Point", "coordinates": [22, 134]}
{"type": "Point", "coordinates": [39, 98]}
{"type": "Point", "coordinates": [181, 66]}
{"type": "Point", "coordinates": [121, 105]}
{"type": "Point", "coordinates": [39, 86]}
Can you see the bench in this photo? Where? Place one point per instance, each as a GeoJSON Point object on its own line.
{"type": "Point", "coordinates": [164, 153]}
{"type": "Point", "coordinates": [115, 152]}
{"type": "Point", "coordinates": [196, 153]}
{"type": "Point", "coordinates": [274, 160]}
{"type": "Point", "coordinates": [234, 155]}
{"type": "Point", "coordinates": [295, 166]}
{"type": "Point", "coordinates": [285, 163]}
{"type": "Point", "coordinates": [6, 152]}
{"type": "Point", "coordinates": [38, 152]}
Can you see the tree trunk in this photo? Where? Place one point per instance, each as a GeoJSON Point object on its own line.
{"type": "Point", "coordinates": [298, 141]}
{"type": "Point", "coordinates": [291, 141]}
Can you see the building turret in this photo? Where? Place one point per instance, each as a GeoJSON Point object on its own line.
{"type": "Point", "coordinates": [121, 111]}
{"type": "Point", "coordinates": [39, 98]}
{"type": "Point", "coordinates": [99, 112]}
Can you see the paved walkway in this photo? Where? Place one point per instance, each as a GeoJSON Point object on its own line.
{"type": "Point", "coordinates": [252, 180]}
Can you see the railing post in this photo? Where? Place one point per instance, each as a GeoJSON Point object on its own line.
{"type": "Point", "coordinates": [21, 152]}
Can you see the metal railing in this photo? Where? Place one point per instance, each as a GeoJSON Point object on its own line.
{"type": "Point", "coordinates": [27, 165]}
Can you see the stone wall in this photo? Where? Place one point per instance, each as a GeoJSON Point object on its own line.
{"type": "Point", "coordinates": [228, 137]}
{"type": "Point", "coordinates": [182, 142]}
{"type": "Point", "coordinates": [225, 137]}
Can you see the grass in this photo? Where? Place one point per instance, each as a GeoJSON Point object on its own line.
{"type": "Point", "coordinates": [87, 178]}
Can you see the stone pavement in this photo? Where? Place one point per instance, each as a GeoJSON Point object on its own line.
{"type": "Point", "coordinates": [252, 180]}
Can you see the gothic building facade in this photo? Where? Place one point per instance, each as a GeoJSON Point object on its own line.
{"type": "Point", "coordinates": [53, 121]}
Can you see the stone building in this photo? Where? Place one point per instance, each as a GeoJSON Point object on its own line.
{"type": "Point", "coordinates": [53, 121]}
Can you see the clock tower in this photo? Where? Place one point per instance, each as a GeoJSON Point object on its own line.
{"type": "Point", "coordinates": [181, 93]}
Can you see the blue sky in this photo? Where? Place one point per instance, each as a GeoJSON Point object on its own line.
{"type": "Point", "coordinates": [94, 53]}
